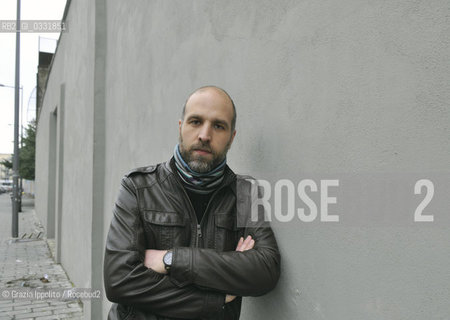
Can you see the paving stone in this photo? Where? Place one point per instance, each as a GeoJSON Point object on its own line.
{"type": "Point", "coordinates": [74, 305]}
{"type": "Point", "coordinates": [39, 303]}
{"type": "Point", "coordinates": [5, 308]}
{"type": "Point", "coordinates": [64, 311]}
{"type": "Point", "coordinates": [33, 315]}
{"type": "Point", "coordinates": [58, 302]}
{"type": "Point", "coordinates": [30, 305]}
{"type": "Point", "coordinates": [18, 303]}
{"type": "Point", "coordinates": [52, 308]}
{"type": "Point", "coordinates": [18, 312]}
{"type": "Point", "coordinates": [70, 315]}
{"type": "Point", "coordinates": [61, 317]}
{"type": "Point", "coordinates": [27, 308]}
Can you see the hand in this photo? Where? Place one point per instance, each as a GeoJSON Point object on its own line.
{"type": "Point", "coordinates": [154, 260]}
{"type": "Point", "coordinates": [243, 245]}
{"type": "Point", "coordinates": [229, 298]}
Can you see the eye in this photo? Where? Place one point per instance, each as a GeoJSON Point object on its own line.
{"type": "Point", "coordinates": [194, 122]}
{"type": "Point", "coordinates": [219, 126]}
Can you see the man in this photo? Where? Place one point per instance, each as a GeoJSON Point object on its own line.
{"type": "Point", "coordinates": [177, 247]}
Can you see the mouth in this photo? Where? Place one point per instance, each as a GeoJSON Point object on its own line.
{"type": "Point", "coordinates": [202, 151]}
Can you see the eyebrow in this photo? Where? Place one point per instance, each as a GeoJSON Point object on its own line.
{"type": "Point", "coordinates": [215, 121]}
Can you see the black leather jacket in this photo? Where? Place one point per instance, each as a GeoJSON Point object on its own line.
{"type": "Point", "coordinates": [153, 211]}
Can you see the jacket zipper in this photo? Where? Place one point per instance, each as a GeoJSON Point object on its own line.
{"type": "Point", "coordinates": [199, 229]}
{"type": "Point", "coordinates": [198, 232]}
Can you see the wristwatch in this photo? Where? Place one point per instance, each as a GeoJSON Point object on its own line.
{"type": "Point", "coordinates": [167, 259]}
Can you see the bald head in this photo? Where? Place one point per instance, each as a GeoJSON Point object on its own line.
{"type": "Point", "coordinates": [218, 92]}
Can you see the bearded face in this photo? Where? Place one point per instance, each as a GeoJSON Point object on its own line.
{"type": "Point", "coordinates": [206, 131]}
{"type": "Point", "coordinates": [200, 156]}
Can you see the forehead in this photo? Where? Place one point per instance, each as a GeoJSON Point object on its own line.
{"type": "Point", "coordinates": [210, 103]}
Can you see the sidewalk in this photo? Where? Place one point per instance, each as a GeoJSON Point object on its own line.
{"type": "Point", "coordinates": [27, 263]}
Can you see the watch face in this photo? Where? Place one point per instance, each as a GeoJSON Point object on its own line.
{"type": "Point", "coordinates": [168, 258]}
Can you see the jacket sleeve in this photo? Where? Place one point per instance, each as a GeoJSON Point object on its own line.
{"type": "Point", "coordinates": [128, 281]}
{"type": "Point", "coordinates": [250, 273]}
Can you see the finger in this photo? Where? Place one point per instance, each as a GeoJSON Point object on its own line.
{"type": "Point", "coordinates": [251, 244]}
{"type": "Point", "coordinates": [246, 244]}
{"type": "Point", "coordinates": [239, 245]}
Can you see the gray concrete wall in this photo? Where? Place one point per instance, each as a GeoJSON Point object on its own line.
{"type": "Point", "coordinates": [322, 88]}
{"type": "Point", "coordinates": [70, 91]}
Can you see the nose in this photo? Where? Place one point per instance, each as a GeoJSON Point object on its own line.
{"type": "Point", "coordinates": [205, 133]}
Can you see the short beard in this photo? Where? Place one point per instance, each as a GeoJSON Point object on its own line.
{"type": "Point", "coordinates": [198, 163]}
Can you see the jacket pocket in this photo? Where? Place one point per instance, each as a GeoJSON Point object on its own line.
{"type": "Point", "coordinates": [225, 238]}
{"type": "Point", "coordinates": [164, 230]}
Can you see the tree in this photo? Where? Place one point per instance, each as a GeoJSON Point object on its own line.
{"type": "Point", "coordinates": [26, 153]}
{"type": "Point", "coordinates": [6, 163]}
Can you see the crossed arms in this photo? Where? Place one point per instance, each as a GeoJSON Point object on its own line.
{"type": "Point", "coordinates": [154, 259]}
{"type": "Point", "coordinates": [200, 281]}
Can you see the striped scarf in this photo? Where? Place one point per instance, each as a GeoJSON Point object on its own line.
{"type": "Point", "coordinates": [202, 183]}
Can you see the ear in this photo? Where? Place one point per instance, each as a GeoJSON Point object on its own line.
{"type": "Point", "coordinates": [232, 136]}
{"type": "Point", "coordinates": [180, 122]}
